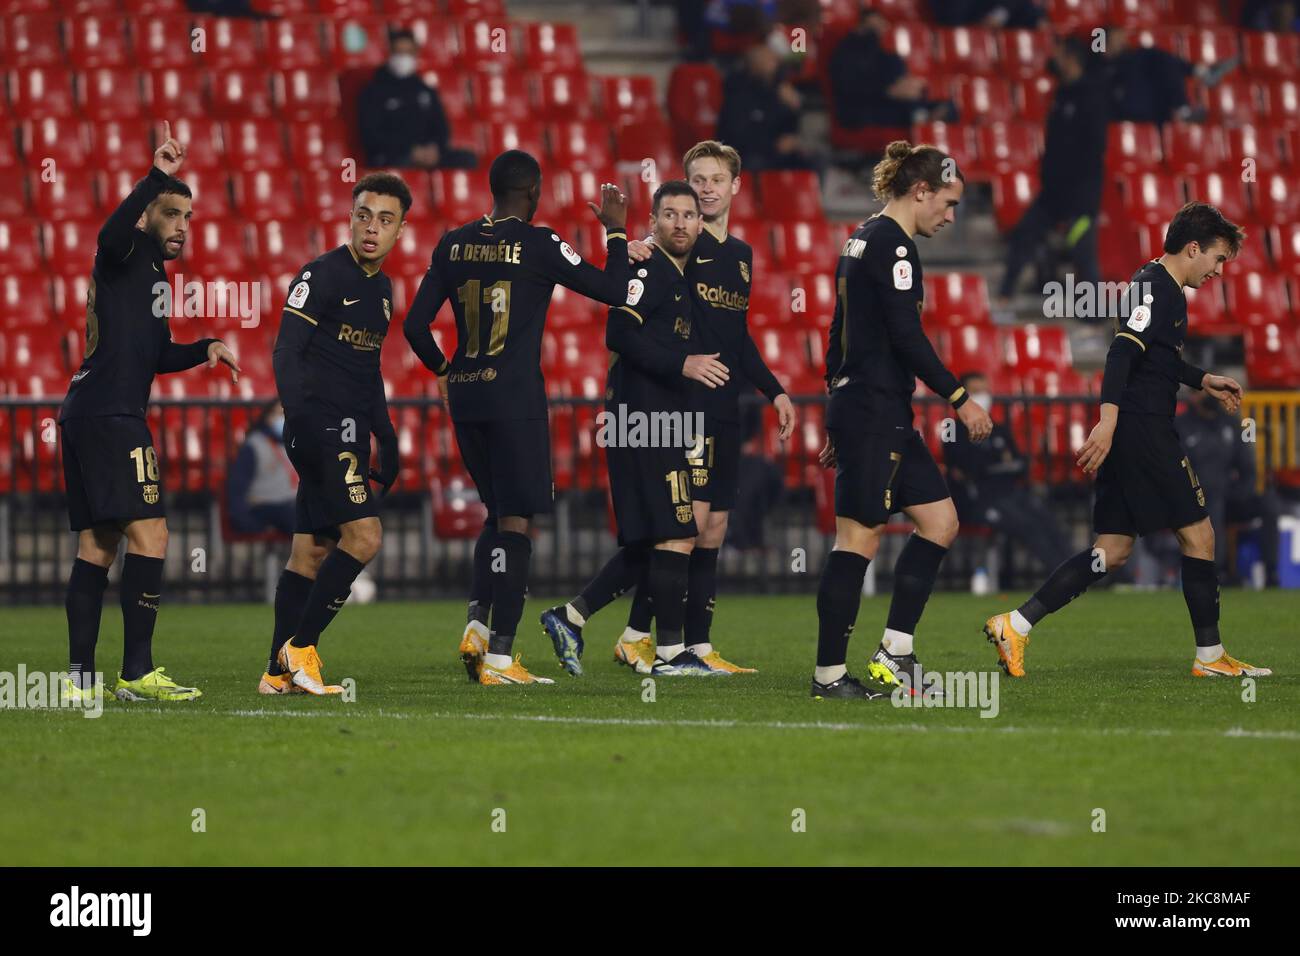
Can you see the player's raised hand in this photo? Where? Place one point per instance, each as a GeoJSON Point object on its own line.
{"type": "Point", "coordinates": [1097, 447]}
{"type": "Point", "coordinates": [612, 211]}
{"type": "Point", "coordinates": [217, 352]}
{"type": "Point", "coordinates": [170, 153]}
{"type": "Point", "coordinates": [784, 415]}
{"type": "Point", "coordinates": [826, 457]}
{"type": "Point", "coordinates": [639, 250]}
{"type": "Point", "coordinates": [1227, 390]}
{"type": "Point", "coordinates": [976, 420]}
{"type": "Point", "coordinates": [706, 369]}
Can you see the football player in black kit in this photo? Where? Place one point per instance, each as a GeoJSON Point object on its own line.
{"type": "Point", "coordinates": [110, 468]}
{"type": "Point", "coordinates": [326, 363]}
{"type": "Point", "coordinates": [876, 350]}
{"type": "Point", "coordinates": [499, 272]}
{"type": "Point", "coordinates": [1145, 482]}
{"type": "Point", "coordinates": [720, 274]}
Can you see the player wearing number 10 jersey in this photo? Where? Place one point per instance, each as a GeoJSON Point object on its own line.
{"type": "Point", "coordinates": [499, 272]}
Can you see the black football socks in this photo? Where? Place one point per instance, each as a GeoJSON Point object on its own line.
{"type": "Point", "coordinates": [291, 593]}
{"type": "Point", "coordinates": [701, 594]}
{"type": "Point", "coordinates": [914, 575]}
{"type": "Point", "coordinates": [480, 587]}
{"type": "Point", "coordinates": [1201, 592]}
{"type": "Point", "coordinates": [640, 614]}
{"type": "Point", "coordinates": [669, 572]}
{"type": "Point", "coordinates": [1074, 576]}
{"type": "Point", "coordinates": [838, 597]}
{"type": "Point", "coordinates": [141, 591]}
{"type": "Point", "coordinates": [509, 587]}
{"type": "Point", "coordinates": [329, 592]}
{"type": "Point", "coordinates": [84, 603]}
{"type": "Point", "coordinates": [621, 572]}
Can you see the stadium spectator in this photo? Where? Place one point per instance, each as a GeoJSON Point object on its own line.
{"type": "Point", "coordinates": [760, 114]}
{"type": "Point", "coordinates": [870, 86]}
{"type": "Point", "coordinates": [401, 118]}
{"type": "Point", "coordinates": [262, 485]}
{"type": "Point", "coordinates": [1149, 85]}
{"type": "Point", "coordinates": [1015, 14]}
{"type": "Point", "coordinates": [1226, 466]}
{"type": "Point", "coordinates": [1280, 15]}
{"type": "Point", "coordinates": [1070, 171]}
{"type": "Point", "coordinates": [987, 480]}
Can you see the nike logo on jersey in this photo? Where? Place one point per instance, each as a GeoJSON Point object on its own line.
{"type": "Point", "coordinates": [351, 301]}
{"type": "Point", "coordinates": [677, 297]}
{"type": "Point", "coordinates": [702, 261]}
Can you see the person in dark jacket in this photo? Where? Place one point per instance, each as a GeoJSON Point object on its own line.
{"type": "Point", "coordinates": [262, 486]}
{"type": "Point", "coordinates": [760, 114]}
{"type": "Point", "coordinates": [987, 480]}
{"type": "Point", "coordinates": [1070, 171]}
{"type": "Point", "coordinates": [401, 118]}
{"type": "Point", "coordinates": [1225, 463]}
{"type": "Point", "coordinates": [870, 86]}
{"type": "Point", "coordinates": [1149, 85]}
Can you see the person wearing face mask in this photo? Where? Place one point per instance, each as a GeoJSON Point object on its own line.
{"type": "Point", "coordinates": [262, 485]}
{"type": "Point", "coordinates": [401, 118]}
{"type": "Point", "coordinates": [987, 480]}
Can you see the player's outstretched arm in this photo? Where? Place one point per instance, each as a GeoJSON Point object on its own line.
{"type": "Point", "coordinates": [117, 237]}
{"type": "Point", "coordinates": [564, 266]}
{"type": "Point", "coordinates": [420, 318]}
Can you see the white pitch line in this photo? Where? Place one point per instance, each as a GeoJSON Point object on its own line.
{"type": "Point", "coordinates": [1231, 732]}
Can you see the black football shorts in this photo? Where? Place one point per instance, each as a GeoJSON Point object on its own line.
{"type": "Point", "coordinates": [332, 457]}
{"type": "Point", "coordinates": [878, 474]}
{"type": "Point", "coordinates": [110, 470]}
{"type": "Point", "coordinates": [1146, 482]}
{"type": "Point", "coordinates": [510, 463]}
{"type": "Point", "coordinates": [715, 464]}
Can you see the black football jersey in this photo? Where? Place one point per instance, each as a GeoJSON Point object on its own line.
{"type": "Point", "coordinates": [499, 275]}
{"type": "Point", "coordinates": [1154, 319]}
{"type": "Point", "coordinates": [877, 347]}
{"type": "Point", "coordinates": [332, 328]}
{"type": "Point", "coordinates": [650, 336]}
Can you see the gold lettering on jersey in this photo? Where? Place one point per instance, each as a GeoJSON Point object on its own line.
{"type": "Point", "coordinates": [478, 375]}
{"type": "Point", "coordinates": [718, 297]}
{"type": "Point", "coordinates": [682, 327]}
{"type": "Point", "coordinates": [360, 339]}
{"type": "Point", "coordinates": [508, 252]}
{"type": "Point", "coordinates": [854, 248]}
{"type": "Point", "coordinates": [744, 272]}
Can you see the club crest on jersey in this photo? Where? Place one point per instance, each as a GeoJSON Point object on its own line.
{"type": "Point", "coordinates": [684, 514]}
{"type": "Point", "coordinates": [150, 494]}
{"type": "Point", "coordinates": [569, 253]}
{"type": "Point", "coordinates": [902, 275]}
{"type": "Point", "coordinates": [635, 289]}
{"type": "Point", "coordinates": [744, 271]}
{"type": "Point", "coordinates": [358, 494]}
{"type": "Point", "coordinates": [1140, 318]}
{"type": "Point", "coordinates": [388, 311]}
{"type": "Point", "coordinates": [299, 295]}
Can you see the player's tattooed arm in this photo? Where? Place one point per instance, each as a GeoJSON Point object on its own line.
{"type": "Point", "coordinates": [420, 318]}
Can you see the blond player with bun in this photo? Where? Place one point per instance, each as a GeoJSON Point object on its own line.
{"type": "Point", "coordinates": [876, 351]}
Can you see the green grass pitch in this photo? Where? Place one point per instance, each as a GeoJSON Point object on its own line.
{"type": "Point", "coordinates": [711, 772]}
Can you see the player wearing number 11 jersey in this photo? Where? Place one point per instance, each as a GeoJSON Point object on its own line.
{"type": "Point", "coordinates": [499, 272]}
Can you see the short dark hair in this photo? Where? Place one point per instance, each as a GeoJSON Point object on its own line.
{"type": "Point", "coordinates": [674, 187]}
{"type": "Point", "coordinates": [385, 184]}
{"type": "Point", "coordinates": [173, 185]}
{"type": "Point", "coordinates": [1202, 223]}
{"type": "Point", "coordinates": [514, 171]}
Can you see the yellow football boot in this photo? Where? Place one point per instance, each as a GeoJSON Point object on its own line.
{"type": "Point", "coordinates": [278, 684]}
{"type": "Point", "coordinates": [154, 685]}
{"type": "Point", "coordinates": [473, 645]}
{"type": "Point", "coordinates": [1010, 643]}
{"type": "Point", "coordinates": [516, 673]}
{"type": "Point", "coordinates": [303, 665]}
{"type": "Point", "coordinates": [718, 663]}
{"type": "Point", "coordinates": [638, 655]}
{"type": "Point", "coordinates": [1227, 666]}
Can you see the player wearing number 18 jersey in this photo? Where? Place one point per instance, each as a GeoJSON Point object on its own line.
{"type": "Point", "coordinates": [499, 272]}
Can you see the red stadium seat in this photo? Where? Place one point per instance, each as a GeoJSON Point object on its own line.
{"type": "Point", "coordinates": [551, 46]}
{"type": "Point", "coordinates": [496, 96]}
{"type": "Point", "coordinates": [122, 144]}
{"type": "Point", "coordinates": [637, 141]}
{"type": "Point", "coordinates": [566, 193]}
{"type": "Point", "coordinates": [911, 41]}
{"type": "Point", "coordinates": [956, 299]}
{"type": "Point", "coordinates": [1024, 53]}
{"type": "Point", "coordinates": [1195, 147]}
{"type": "Point", "coordinates": [1281, 101]}
{"type": "Point", "coordinates": [162, 41]}
{"type": "Point", "coordinates": [232, 43]}
{"type": "Point", "coordinates": [306, 94]}
{"type": "Point", "coordinates": [1226, 191]}
{"type": "Point", "coordinates": [264, 194]}
{"type": "Point", "coordinates": [1255, 142]}
{"type": "Point", "coordinates": [41, 91]}
{"type": "Point", "coordinates": [1033, 98]}
{"type": "Point", "coordinates": [214, 247]}
{"type": "Point", "coordinates": [1003, 148]}
{"type": "Point", "coordinates": [1037, 347]}
{"type": "Point", "coordinates": [511, 134]}
{"type": "Point", "coordinates": [1150, 197]}
{"type": "Point", "coordinates": [109, 93]}
{"type": "Point", "coordinates": [65, 140]}
{"type": "Point", "coordinates": [1012, 194]}
{"type": "Point", "coordinates": [1276, 198]}
{"type": "Point", "coordinates": [19, 246]}
{"type": "Point", "coordinates": [1211, 44]}
{"type": "Point", "coordinates": [254, 144]}
{"type": "Point", "coordinates": [694, 101]}
{"type": "Point", "coordinates": [488, 43]}
{"type": "Point", "coordinates": [31, 40]}
{"type": "Point", "coordinates": [1170, 38]}
{"type": "Point", "coordinates": [356, 42]}
{"type": "Point", "coordinates": [460, 195]}
{"type": "Point", "coordinates": [69, 245]}
{"type": "Point", "coordinates": [629, 97]}
{"type": "Point", "coordinates": [294, 43]}
{"type": "Point", "coordinates": [744, 205]}
{"type": "Point", "coordinates": [564, 95]}
{"type": "Point", "coordinates": [175, 92]}
{"type": "Point", "coordinates": [1135, 14]}
{"type": "Point", "coordinates": [955, 139]}
{"type": "Point", "coordinates": [1273, 356]}
{"type": "Point", "coordinates": [1132, 147]}
{"type": "Point", "coordinates": [1207, 312]}
{"type": "Point", "coordinates": [965, 50]}
{"type": "Point", "coordinates": [317, 143]}
{"type": "Point", "coordinates": [67, 196]}
{"type": "Point", "coordinates": [94, 41]}
{"type": "Point", "coordinates": [1234, 100]}
{"type": "Point", "coordinates": [25, 301]}
{"type": "Point", "coordinates": [580, 145]}
{"type": "Point", "coordinates": [1257, 298]}
{"type": "Point", "coordinates": [237, 93]}
{"type": "Point", "coordinates": [466, 9]}
{"type": "Point", "coordinates": [1270, 55]}
{"type": "Point", "coordinates": [1069, 16]}
{"type": "Point", "coordinates": [809, 245]}
{"type": "Point", "coordinates": [973, 348]}
{"type": "Point", "coordinates": [790, 195]}
{"type": "Point", "coordinates": [1284, 240]}
{"type": "Point", "coordinates": [982, 96]}
{"type": "Point", "coordinates": [13, 194]}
